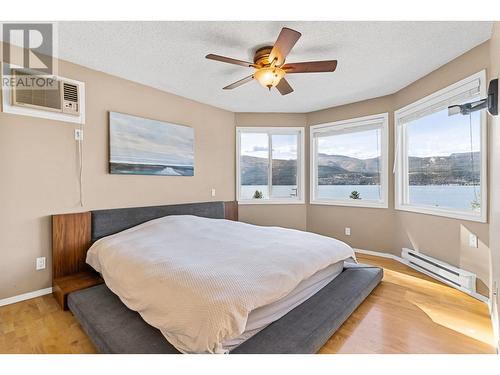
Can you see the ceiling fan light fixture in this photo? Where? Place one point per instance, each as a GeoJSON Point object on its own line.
{"type": "Point", "coordinates": [269, 76]}
{"type": "Point", "coordinates": [270, 67]}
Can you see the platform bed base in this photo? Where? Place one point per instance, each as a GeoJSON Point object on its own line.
{"type": "Point", "coordinates": [113, 328]}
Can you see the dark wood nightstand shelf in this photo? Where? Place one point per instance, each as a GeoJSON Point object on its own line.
{"type": "Point", "coordinates": [70, 242]}
{"type": "Point", "coordinates": [62, 286]}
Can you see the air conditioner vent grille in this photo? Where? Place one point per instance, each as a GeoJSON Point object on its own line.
{"type": "Point", "coordinates": [70, 92]}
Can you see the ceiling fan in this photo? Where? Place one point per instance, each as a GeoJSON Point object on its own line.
{"type": "Point", "coordinates": [270, 67]}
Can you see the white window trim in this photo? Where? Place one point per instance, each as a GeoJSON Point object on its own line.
{"type": "Point", "coordinates": [272, 130]}
{"type": "Point", "coordinates": [383, 119]}
{"type": "Point", "coordinates": [400, 159]}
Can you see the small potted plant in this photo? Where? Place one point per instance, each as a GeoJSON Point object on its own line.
{"type": "Point", "coordinates": [476, 205]}
{"type": "Point", "coordinates": [355, 195]}
{"type": "Point", "coordinates": [258, 195]}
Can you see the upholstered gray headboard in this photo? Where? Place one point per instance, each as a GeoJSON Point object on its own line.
{"type": "Point", "coordinates": [107, 222]}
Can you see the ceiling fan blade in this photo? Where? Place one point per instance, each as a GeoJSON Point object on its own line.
{"type": "Point", "coordinates": [284, 87]}
{"type": "Point", "coordinates": [284, 44]}
{"type": "Point", "coordinates": [229, 60]}
{"type": "Point", "coordinates": [311, 67]}
{"type": "Point", "coordinates": [238, 83]}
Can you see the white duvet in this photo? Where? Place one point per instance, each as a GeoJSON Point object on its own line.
{"type": "Point", "coordinates": [197, 279]}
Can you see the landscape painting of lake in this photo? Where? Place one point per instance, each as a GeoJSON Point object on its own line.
{"type": "Point", "coordinates": [149, 147]}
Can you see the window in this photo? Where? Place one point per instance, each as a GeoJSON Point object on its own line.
{"type": "Point", "coordinates": [270, 165]}
{"type": "Point", "coordinates": [441, 160]}
{"type": "Point", "coordinates": [349, 162]}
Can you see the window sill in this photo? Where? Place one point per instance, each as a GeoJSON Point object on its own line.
{"type": "Point", "coordinates": [365, 204]}
{"type": "Point", "coordinates": [270, 201]}
{"type": "Point", "coordinates": [442, 213]}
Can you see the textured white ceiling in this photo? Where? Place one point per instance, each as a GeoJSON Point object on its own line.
{"type": "Point", "coordinates": [375, 58]}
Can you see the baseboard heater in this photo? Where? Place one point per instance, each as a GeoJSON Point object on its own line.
{"type": "Point", "coordinates": [453, 276]}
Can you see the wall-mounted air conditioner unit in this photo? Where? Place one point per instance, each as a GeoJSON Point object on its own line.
{"type": "Point", "coordinates": [63, 100]}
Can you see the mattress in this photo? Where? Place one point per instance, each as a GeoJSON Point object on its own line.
{"type": "Point", "coordinates": [198, 279]}
{"type": "Point", "coordinates": [261, 317]}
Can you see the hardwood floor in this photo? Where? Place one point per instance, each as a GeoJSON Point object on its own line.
{"type": "Point", "coordinates": [39, 325]}
{"type": "Point", "coordinates": [412, 313]}
{"type": "Point", "coordinates": [407, 313]}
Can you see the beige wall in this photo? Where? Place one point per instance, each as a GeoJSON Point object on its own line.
{"type": "Point", "coordinates": [38, 160]}
{"type": "Point", "coordinates": [495, 182]}
{"type": "Point", "coordinates": [38, 169]}
{"type": "Point", "coordinates": [285, 215]}
{"type": "Point", "coordinates": [390, 230]}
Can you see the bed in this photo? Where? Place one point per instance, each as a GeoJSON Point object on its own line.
{"type": "Point", "coordinates": [221, 292]}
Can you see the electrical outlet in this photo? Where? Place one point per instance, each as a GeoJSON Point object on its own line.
{"type": "Point", "coordinates": [78, 135]}
{"type": "Point", "coordinates": [213, 192]}
{"type": "Point", "coordinates": [472, 240]}
{"type": "Point", "coordinates": [347, 231]}
{"type": "Point", "coordinates": [40, 263]}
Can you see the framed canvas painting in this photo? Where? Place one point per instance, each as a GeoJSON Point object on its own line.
{"type": "Point", "coordinates": [149, 147]}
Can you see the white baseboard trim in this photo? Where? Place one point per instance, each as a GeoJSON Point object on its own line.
{"type": "Point", "coordinates": [25, 296]}
{"type": "Point", "coordinates": [382, 255]}
{"type": "Point", "coordinates": [477, 296]}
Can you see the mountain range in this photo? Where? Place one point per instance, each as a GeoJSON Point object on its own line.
{"type": "Point", "coordinates": [454, 169]}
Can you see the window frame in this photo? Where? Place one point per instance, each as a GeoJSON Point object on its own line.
{"type": "Point", "coordinates": [401, 192]}
{"type": "Point", "coordinates": [273, 130]}
{"type": "Point", "coordinates": [338, 126]}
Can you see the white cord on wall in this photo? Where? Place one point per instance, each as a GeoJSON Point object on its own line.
{"type": "Point", "coordinates": [80, 164]}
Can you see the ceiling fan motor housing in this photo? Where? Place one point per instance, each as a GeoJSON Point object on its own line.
{"type": "Point", "coordinates": [261, 57]}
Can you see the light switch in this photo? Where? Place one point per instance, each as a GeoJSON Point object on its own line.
{"type": "Point", "coordinates": [213, 192]}
{"type": "Point", "coordinates": [347, 231]}
{"type": "Point", "coordinates": [472, 240]}
{"type": "Point", "coordinates": [40, 263]}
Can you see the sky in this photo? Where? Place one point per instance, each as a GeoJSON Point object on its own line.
{"type": "Point", "coordinates": [442, 135]}
{"type": "Point", "coordinates": [256, 144]}
{"type": "Point", "coordinates": [135, 139]}
{"type": "Point", "coordinates": [360, 145]}
{"type": "Point", "coordinates": [434, 135]}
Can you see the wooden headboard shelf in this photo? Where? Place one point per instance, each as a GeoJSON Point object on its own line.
{"type": "Point", "coordinates": [70, 242]}
{"type": "Point", "coordinates": [231, 211]}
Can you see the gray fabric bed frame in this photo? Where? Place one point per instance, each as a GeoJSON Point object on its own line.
{"type": "Point", "coordinates": [113, 328]}
{"type": "Point", "coordinates": [107, 222]}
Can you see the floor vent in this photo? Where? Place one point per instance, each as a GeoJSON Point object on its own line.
{"type": "Point", "coordinates": [442, 271]}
